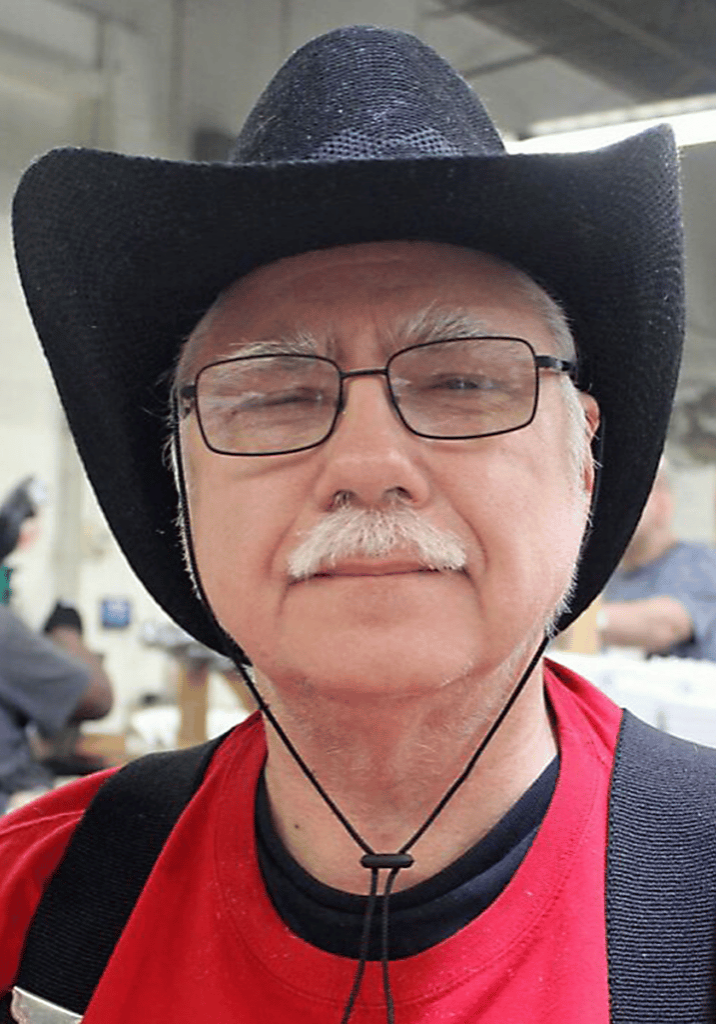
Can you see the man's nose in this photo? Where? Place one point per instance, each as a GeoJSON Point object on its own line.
{"type": "Point", "coordinates": [371, 454]}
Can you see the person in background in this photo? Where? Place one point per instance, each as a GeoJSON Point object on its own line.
{"type": "Point", "coordinates": [662, 598]}
{"type": "Point", "coordinates": [49, 682]}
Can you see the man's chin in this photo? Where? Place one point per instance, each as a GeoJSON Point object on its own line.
{"type": "Point", "coordinates": [397, 664]}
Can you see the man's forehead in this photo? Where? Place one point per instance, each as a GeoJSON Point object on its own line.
{"type": "Point", "coordinates": [359, 263]}
{"type": "Point", "coordinates": [408, 291]}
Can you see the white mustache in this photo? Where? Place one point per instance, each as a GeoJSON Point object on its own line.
{"type": "Point", "coordinates": [368, 533]}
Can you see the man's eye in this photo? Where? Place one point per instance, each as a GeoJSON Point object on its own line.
{"type": "Point", "coordinates": [275, 399]}
{"type": "Point", "coordinates": [298, 396]}
{"type": "Point", "coordinates": [465, 382]}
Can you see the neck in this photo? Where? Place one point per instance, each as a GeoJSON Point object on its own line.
{"type": "Point", "coordinates": [387, 764]}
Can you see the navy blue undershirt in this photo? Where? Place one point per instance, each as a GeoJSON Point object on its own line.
{"type": "Point", "coordinates": [420, 916]}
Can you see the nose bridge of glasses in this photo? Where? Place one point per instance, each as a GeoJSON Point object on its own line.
{"type": "Point", "coordinates": [378, 371]}
{"type": "Point", "coordinates": [347, 375]}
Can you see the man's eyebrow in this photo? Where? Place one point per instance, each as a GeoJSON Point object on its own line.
{"type": "Point", "coordinates": [432, 323]}
{"type": "Point", "coordinates": [294, 342]}
{"type": "Point", "coordinates": [435, 323]}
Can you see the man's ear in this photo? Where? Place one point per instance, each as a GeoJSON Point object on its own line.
{"type": "Point", "coordinates": [591, 424]}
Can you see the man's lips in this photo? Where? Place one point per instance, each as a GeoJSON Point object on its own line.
{"type": "Point", "coordinates": [362, 567]}
{"type": "Point", "coordinates": [372, 567]}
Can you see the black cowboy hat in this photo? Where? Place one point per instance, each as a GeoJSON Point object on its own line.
{"type": "Point", "coordinates": [365, 134]}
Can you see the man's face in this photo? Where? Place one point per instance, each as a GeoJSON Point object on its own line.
{"type": "Point", "coordinates": [386, 624]}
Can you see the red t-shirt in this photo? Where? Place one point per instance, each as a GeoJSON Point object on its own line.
{"type": "Point", "coordinates": [205, 943]}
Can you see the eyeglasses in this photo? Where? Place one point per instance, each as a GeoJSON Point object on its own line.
{"type": "Point", "coordinates": [454, 389]}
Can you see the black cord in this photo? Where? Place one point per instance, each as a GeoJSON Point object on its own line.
{"type": "Point", "coordinates": [364, 946]}
{"type": "Point", "coordinates": [385, 946]}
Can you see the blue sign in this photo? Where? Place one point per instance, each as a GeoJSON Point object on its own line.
{"type": "Point", "coordinates": [116, 612]}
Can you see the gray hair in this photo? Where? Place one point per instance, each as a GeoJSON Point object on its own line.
{"type": "Point", "coordinates": [555, 320]}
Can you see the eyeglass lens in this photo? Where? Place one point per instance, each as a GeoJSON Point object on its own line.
{"type": "Point", "coordinates": [446, 389]}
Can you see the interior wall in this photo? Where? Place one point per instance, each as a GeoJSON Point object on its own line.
{"type": "Point", "coordinates": [73, 76]}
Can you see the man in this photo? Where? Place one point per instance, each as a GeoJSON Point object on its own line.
{"type": "Point", "coordinates": [49, 682]}
{"type": "Point", "coordinates": [662, 598]}
{"type": "Point", "coordinates": [384, 478]}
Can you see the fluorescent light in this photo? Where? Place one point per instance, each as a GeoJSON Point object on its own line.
{"type": "Point", "coordinates": [693, 121]}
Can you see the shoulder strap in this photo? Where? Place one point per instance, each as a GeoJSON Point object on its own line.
{"type": "Point", "coordinates": [96, 885]}
{"type": "Point", "coordinates": [661, 879]}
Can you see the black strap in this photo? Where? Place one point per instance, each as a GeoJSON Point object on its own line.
{"type": "Point", "coordinates": [661, 879]}
{"type": "Point", "coordinates": [93, 891]}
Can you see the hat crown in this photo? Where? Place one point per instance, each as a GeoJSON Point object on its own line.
{"type": "Point", "coordinates": [365, 93]}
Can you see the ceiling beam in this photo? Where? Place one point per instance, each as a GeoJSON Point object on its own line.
{"type": "Point", "coordinates": [643, 36]}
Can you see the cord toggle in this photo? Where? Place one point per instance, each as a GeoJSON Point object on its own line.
{"type": "Point", "coordinates": [389, 861]}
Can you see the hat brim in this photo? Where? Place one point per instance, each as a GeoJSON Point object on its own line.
{"type": "Point", "coordinates": [119, 257]}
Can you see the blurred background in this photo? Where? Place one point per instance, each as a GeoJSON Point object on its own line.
{"type": "Point", "coordinates": [175, 78]}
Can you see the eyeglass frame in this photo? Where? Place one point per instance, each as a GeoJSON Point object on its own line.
{"type": "Point", "coordinates": [188, 393]}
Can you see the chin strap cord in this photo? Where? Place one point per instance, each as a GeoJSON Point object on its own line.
{"type": "Point", "coordinates": [385, 947]}
{"type": "Point", "coordinates": [371, 860]}
{"type": "Point", "coordinates": [384, 942]}
{"type": "Point", "coordinates": [364, 949]}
